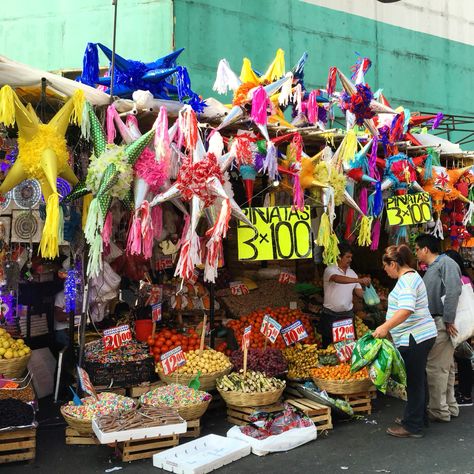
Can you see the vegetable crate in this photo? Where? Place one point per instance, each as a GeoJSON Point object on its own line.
{"type": "Point", "coordinates": [241, 415]}
{"type": "Point", "coordinates": [18, 445]}
{"type": "Point", "coordinates": [74, 437]}
{"type": "Point", "coordinates": [194, 429]}
{"type": "Point", "coordinates": [319, 414]}
{"type": "Point", "coordinates": [146, 448]}
{"type": "Point", "coordinates": [361, 402]}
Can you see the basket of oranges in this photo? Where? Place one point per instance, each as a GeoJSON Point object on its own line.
{"type": "Point", "coordinates": [339, 380]}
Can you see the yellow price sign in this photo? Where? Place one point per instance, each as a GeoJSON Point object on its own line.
{"type": "Point", "coordinates": [409, 209]}
{"type": "Point", "coordinates": [279, 233]}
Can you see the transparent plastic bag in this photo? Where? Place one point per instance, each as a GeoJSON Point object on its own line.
{"type": "Point", "coordinates": [371, 298]}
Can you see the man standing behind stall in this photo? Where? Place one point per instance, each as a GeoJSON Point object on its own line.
{"type": "Point", "coordinates": [442, 278]}
{"type": "Point", "coordinates": [340, 283]}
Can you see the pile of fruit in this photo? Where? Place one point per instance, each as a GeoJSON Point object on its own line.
{"type": "Point", "coordinates": [168, 339]}
{"type": "Point", "coordinates": [339, 372]}
{"type": "Point", "coordinates": [207, 361]}
{"type": "Point", "coordinates": [328, 356]}
{"type": "Point", "coordinates": [360, 327]}
{"type": "Point", "coordinates": [270, 362]}
{"type": "Point", "coordinates": [12, 348]}
{"type": "Point", "coordinates": [282, 315]}
{"type": "Point", "coordinates": [250, 383]}
{"type": "Point", "coordinates": [301, 358]}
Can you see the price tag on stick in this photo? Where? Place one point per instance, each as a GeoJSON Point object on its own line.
{"type": "Point", "coordinates": [270, 328]}
{"type": "Point", "coordinates": [342, 330]}
{"type": "Point", "coordinates": [344, 350]}
{"type": "Point", "coordinates": [156, 313]}
{"type": "Point", "coordinates": [293, 333]}
{"type": "Point", "coordinates": [246, 337]}
{"type": "Point", "coordinates": [116, 337]}
{"type": "Point", "coordinates": [172, 359]}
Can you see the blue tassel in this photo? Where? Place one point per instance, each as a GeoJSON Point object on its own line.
{"type": "Point", "coordinates": [401, 234]}
{"type": "Point", "coordinates": [183, 83]}
{"type": "Point", "coordinates": [428, 167]}
{"type": "Point", "coordinates": [90, 65]}
{"type": "Point", "coordinates": [378, 199]}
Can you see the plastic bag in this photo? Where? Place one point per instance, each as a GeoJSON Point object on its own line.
{"type": "Point", "coordinates": [381, 368]}
{"type": "Point", "coordinates": [464, 322]}
{"type": "Point", "coordinates": [399, 372]}
{"type": "Point", "coordinates": [282, 442]}
{"type": "Point", "coordinates": [365, 351]}
{"type": "Point", "coordinates": [396, 390]}
{"type": "Point", "coordinates": [371, 298]}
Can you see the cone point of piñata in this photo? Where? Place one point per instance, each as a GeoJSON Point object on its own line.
{"type": "Point", "coordinates": [248, 183]}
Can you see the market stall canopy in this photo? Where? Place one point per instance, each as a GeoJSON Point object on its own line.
{"type": "Point", "coordinates": [27, 81]}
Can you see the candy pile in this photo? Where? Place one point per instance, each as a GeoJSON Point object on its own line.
{"type": "Point", "coordinates": [130, 352]}
{"type": "Point", "coordinates": [107, 403]}
{"type": "Point", "coordinates": [174, 395]}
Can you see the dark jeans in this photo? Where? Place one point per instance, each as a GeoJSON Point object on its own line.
{"type": "Point", "coordinates": [415, 357]}
{"type": "Point", "coordinates": [464, 377]}
{"type": "Point", "coordinates": [329, 317]}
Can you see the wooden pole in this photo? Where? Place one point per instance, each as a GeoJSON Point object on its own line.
{"type": "Point", "coordinates": [245, 359]}
{"type": "Point", "coordinates": [203, 332]}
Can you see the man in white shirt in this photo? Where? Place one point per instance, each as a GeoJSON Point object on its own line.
{"type": "Point", "coordinates": [340, 283]}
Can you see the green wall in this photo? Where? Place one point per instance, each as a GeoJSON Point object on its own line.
{"type": "Point", "coordinates": [52, 34]}
{"type": "Point", "coordinates": [420, 71]}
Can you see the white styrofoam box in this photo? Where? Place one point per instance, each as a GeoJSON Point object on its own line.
{"type": "Point", "coordinates": [201, 455]}
{"type": "Point", "coordinates": [138, 433]}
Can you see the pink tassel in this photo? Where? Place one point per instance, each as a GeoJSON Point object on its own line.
{"type": "Point", "coordinates": [134, 241]}
{"type": "Point", "coordinates": [107, 229]}
{"type": "Point", "coordinates": [312, 107]}
{"type": "Point", "coordinates": [162, 139]}
{"type": "Point", "coordinates": [157, 219]}
{"type": "Point", "coordinates": [375, 235]}
{"type": "Point", "coordinates": [111, 112]}
{"type": "Point", "coordinates": [363, 200]}
{"type": "Point", "coordinates": [189, 257]}
{"type": "Point", "coordinates": [298, 195]}
{"type": "Point", "coordinates": [332, 78]}
{"type": "Point", "coordinates": [260, 103]}
{"type": "Point", "coordinates": [349, 220]}
{"type": "Point", "coordinates": [147, 230]}
{"type": "Point", "coordinates": [214, 245]}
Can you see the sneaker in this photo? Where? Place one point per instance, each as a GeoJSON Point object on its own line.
{"type": "Point", "coordinates": [464, 401]}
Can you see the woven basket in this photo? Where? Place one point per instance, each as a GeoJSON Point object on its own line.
{"type": "Point", "coordinates": [254, 399]}
{"type": "Point", "coordinates": [191, 412]}
{"type": "Point", "coordinates": [208, 381]}
{"type": "Point", "coordinates": [82, 426]}
{"type": "Point", "coordinates": [14, 368]}
{"type": "Point", "coordinates": [343, 387]}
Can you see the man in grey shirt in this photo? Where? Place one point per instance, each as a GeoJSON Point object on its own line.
{"type": "Point", "coordinates": [442, 278]}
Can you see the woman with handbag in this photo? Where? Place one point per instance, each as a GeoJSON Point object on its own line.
{"type": "Point", "coordinates": [464, 391]}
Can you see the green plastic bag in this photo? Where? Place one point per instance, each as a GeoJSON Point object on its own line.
{"type": "Point", "coordinates": [381, 367]}
{"type": "Point", "coordinates": [399, 373]}
{"type": "Point", "coordinates": [365, 351]}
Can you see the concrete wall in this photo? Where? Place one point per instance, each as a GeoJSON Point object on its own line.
{"type": "Point", "coordinates": [52, 34]}
{"type": "Point", "coordinates": [415, 68]}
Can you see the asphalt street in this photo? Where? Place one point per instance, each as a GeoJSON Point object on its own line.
{"type": "Point", "coordinates": [352, 446]}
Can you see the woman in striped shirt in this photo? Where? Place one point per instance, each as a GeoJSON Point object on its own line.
{"type": "Point", "coordinates": [413, 331]}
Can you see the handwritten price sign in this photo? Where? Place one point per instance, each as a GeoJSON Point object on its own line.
{"type": "Point", "coordinates": [156, 313]}
{"type": "Point", "coordinates": [286, 278]}
{"type": "Point", "coordinates": [116, 337]}
{"type": "Point", "coordinates": [270, 328]}
{"type": "Point", "coordinates": [342, 330]}
{"type": "Point", "coordinates": [172, 359]}
{"type": "Point", "coordinates": [344, 350]}
{"type": "Point", "coordinates": [163, 263]}
{"type": "Point", "coordinates": [237, 288]}
{"type": "Point", "coordinates": [246, 337]}
{"type": "Point", "coordinates": [293, 333]}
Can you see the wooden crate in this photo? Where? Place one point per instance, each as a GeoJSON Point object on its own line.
{"type": "Point", "coordinates": [74, 437]}
{"type": "Point", "coordinates": [18, 445]}
{"type": "Point", "coordinates": [146, 448]}
{"type": "Point", "coordinates": [194, 429]}
{"type": "Point", "coordinates": [139, 390]}
{"type": "Point", "coordinates": [361, 402]}
{"type": "Point", "coordinates": [319, 414]}
{"type": "Point", "coordinates": [241, 415]}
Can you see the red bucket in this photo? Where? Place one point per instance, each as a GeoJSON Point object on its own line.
{"type": "Point", "coordinates": [143, 329]}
